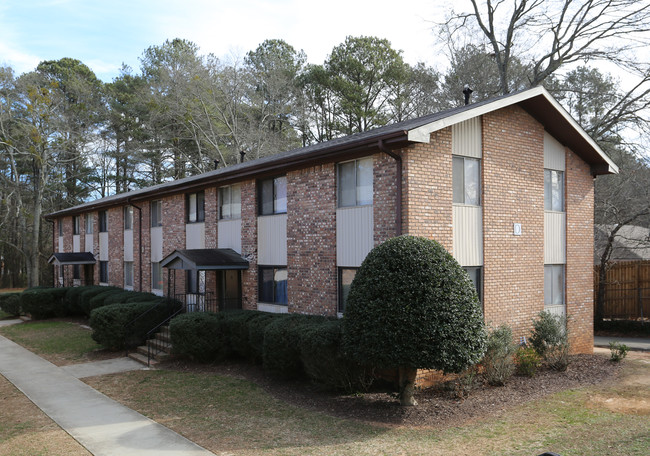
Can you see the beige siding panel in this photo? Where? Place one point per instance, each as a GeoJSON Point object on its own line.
{"type": "Point", "coordinates": [272, 240]}
{"type": "Point", "coordinates": [354, 235]}
{"type": "Point", "coordinates": [103, 246]}
{"type": "Point", "coordinates": [468, 235]}
{"type": "Point", "coordinates": [89, 243]}
{"type": "Point", "coordinates": [466, 138]}
{"type": "Point", "coordinates": [553, 153]}
{"type": "Point", "coordinates": [195, 235]}
{"type": "Point", "coordinates": [229, 233]}
{"type": "Point", "coordinates": [156, 244]}
{"type": "Point", "coordinates": [60, 244]}
{"type": "Point", "coordinates": [554, 237]}
{"type": "Point", "coordinates": [76, 243]}
{"type": "Point", "coordinates": [128, 245]}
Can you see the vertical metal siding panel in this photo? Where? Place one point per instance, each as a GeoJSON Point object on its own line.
{"type": "Point", "coordinates": [229, 235]}
{"type": "Point", "coordinates": [553, 153]}
{"type": "Point", "coordinates": [128, 245]}
{"type": "Point", "coordinates": [466, 138]}
{"type": "Point", "coordinates": [468, 235]}
{"type": "Point", "coordinates": [89, 243]}
{"type": "Point", "coordinates": [354, 235]}
{"type": "Point", "coordinates": [103, 246]}
{"type": "Point", "coordinates": [272, 239]}
{"type": "Point", "coordinates": [156, 244]}
{"type": "Point", "coordinates": [195, 235]}
{"type": "Point", "coordinates": [554, 237]}
{"type": "Point", "coordinates": [76, 243]}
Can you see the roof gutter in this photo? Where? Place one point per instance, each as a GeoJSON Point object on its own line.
{"type": "Point", "coordinates": [398, 185]}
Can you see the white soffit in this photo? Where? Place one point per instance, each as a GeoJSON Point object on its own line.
{"type": "Point", "coordinates": [423, 134]}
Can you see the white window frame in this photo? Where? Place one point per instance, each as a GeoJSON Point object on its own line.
{"type": "Point", "coordinates": [155, 213]}
{"type": "Point", "coordinates": [548, 281]}
{"type": "Point", "coordinates": [550, 195]}
{"type": "Point", "coordinates": [89, 224]}
{"type": "Point", "coordinates": [228, 209]}
{"type": "Point", "coordinates": [463, 199]}
{"type": "Point", "coordinates": [340, 184]}
{"type": "Point", "coordinates": [128, 218]}
{"type": "Point", "coordinates": [128, 274]}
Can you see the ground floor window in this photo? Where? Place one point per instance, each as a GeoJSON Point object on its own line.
{"type": "Point", "coordinates": [156, 276]}
{"type": "Point", "coordinates": [128, 273]}
{"type": "Point", "coordinates": [273, 285]}
{"type": "Point", "coordinates": [76, 271]}
{"type": "Point", "coordinates": [554, 284]}
{"type": "Point", "coordinates": [103, 271]}
{"type": "Point", "coordinates": [346, 276]}
{"type": "Point", "coordinates": [476, 274]}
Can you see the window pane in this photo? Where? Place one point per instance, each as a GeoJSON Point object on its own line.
{"type": "Point", "coordinates": [76, 271]}
{"type": "Point", "coordinates": [558, 190]}
{"type": "Point", "coordinates": [280, 184]}
{"type": "Point", "coordinates": [548, 191]}
{"type": "Point", "coordinates": [458, 179]}
{"type": "Point", "coordinates": [548, 284]}
{"type": "Point", "coordinates": [89, 224]}
{"type": "Point", "coordinates": [347, 184]}
{"type": "Point", "coordinates": [128, 274]}
{"type": "Point", "coordinates": [364, 181]}
{"type": "Point", "coordinates": [224, 203]}
{"type": "Point", "coordinates": [235, 193]}
{"type": "Point", "coordinates": [191, 207]}
{"type": "Point", "coordinates": [156, 276]}
{"type": "Point", "coordinates": [60, 227]}
{"type": "Point", "coordinates": [472, 182]}
{"type": "Point", "coordinates": [76, 222]}
{"type": "Point", "coordinates": [347, 276]}
{"type": "Point", "coordinates": [266, 197]}
{"type": "Point", "coordinates": [128, 218]}
{"type": "Point", "coordinates": [200, 207]}
{"type": "Point", "coordinates": [266, 285]}
{"type": "Point", "coordinates": [280, 279]}
{"type": "Point", "coordinates": [558, 284]}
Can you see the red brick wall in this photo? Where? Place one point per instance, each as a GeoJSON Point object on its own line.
{"type": "Point", "coordinates": [211, 214]}
{"type": "Point", "coordinates": [173, 224]}
{"type": "Point", "coordinates": [116, 246]}
{"type": "Point", "coordinates": [311, 240]}
{"type": "Point", "coordinates": [580, 245]}
{"type": "Point", "coordinates": [383, 197]}
{"type": "Point", "coordinates": [249, 243]}
{"type": "Point", "coordinates": [146, 246]}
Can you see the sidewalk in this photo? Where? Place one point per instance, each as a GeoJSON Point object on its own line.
{"type": "Point", "coordinates": [633, 343]}
{"type": "Point", "coordinates": [100, 424]}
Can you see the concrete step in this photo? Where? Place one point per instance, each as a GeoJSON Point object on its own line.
{"type": "Point", "coordinates": [160, 344]}
{"type": "Point", "coordinates": [164, 336]}
{"type": "Point", "coordinates": [144, 351]}
{"type": "Point", "coordinates": [142, 359]}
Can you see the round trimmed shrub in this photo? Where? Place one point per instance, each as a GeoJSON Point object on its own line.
{"type": "Point", "coordinates": [10, 303]}
{"type": "Point", "coordinates": [91, 292]}
{"type": "Point", "coordinates": [73, 298]}
{"type": "Point", "coordinates": [200, 335]}
{"type": "Point", "coordinates": [236, 326]}
{"type": "Point", "coordinates": [43, 303]}
{"type": "Point", "coordinates": [256, 328]}
{"type": "Point", "coordinates": [100, 300]}
{"type": "Point", "coordinates": [412, 306]}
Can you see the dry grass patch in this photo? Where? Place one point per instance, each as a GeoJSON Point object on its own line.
{"type": "Point", "coordinates": [26, 431]}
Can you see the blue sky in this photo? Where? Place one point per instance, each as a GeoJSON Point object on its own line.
{"type": "Point", "coordinates": [105, 34]}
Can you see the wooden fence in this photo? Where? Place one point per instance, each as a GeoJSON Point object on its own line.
{"type": "Point", "coordinates": [627, 290]}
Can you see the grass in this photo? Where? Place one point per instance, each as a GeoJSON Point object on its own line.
{"type": "Point", "coordinates": [57, 341]}
{"type": "Point", "coordinates": [4, 315]}
{"type": "Point", "coordinates": [233, 416]}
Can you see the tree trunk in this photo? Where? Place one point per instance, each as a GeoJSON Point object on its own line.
{"type": "Point", "coordinates": [407, 386]}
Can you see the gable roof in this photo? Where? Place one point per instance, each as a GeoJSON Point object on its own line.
{"type": "Point", "coordinates": [204, 260]}
{"type": "Point", "coordinates": [537, 101]}
{"type": "Point", "coordinates": [61, 258]}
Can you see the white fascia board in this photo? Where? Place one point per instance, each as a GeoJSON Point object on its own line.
{"type": "Point", "coordinates": [423, 134]}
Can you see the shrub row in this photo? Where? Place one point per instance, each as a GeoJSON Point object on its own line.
{"type": "Point", "coordinates": [288, 346]}
{"type": "Point", "coordinates": [10, 303]}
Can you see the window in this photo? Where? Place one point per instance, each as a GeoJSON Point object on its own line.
{"type": "Point", "coordinates": [273, 285]}
{"type": "Point", "coordinates": [230, 202]}
{"type": "Point", "coordinates": [553, 190]}
{"type": "Point", "coordinates": [89, 224]}
{"type": "Point", "coordinates": [76, 271]}
{"type": "Point", "coordinates": [346, 276]}
{"type": "Point", "coordinates": [103, 271]}
{"type": "Point", "coordinates": [273, 196]}
{"type": "Point", "coordinates": [156, 213]}
{"type": "Point", "coordinates": [128, 217]}
{"type": "Point", "coordinates": [476, 274]}
{"type": "Point", "coordinates": [156, 276]}
{"type": "Point", "coordinates": [195, 207]}
{"type": "Point", "coordinates": [466, 180]}
{"type": "Point", "coordinates": [128, 273]}
{"type": "Point", "coordinates": [76, 224]}
{"type": "Point", "coordinates": [103, 221]}
{"type": "Point", "coordinates": [60, 228]}
{"type": "Point", "coordinates": [554, 284]}
{"type": "Point", "coordinates": [355, 183]}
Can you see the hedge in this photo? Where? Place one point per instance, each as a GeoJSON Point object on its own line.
{"type": "Point", "coordinates": [42, 303]}
{"type": "Point", "coordinates": [120, 326]}
{"type": "Point", "coordinates": [100, 300]}
{"type": "Point", "coordinates": [73, 298]}
{"type": "Point", "coordinates": [200, 335]}
{"type": "Point", "coordinates": [89, 293]}
{"type": "Point", "coordinates": [236, 327]}
{"type": "Point", "coordinates": [10, 303]}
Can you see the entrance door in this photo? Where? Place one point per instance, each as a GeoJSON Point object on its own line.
{"type": "Point", "coordinates": [230, 290]}
{"type": "Point", "coordinates": [89, 271]}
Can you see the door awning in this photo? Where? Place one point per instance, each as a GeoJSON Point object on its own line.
{"type": "Point", "coordinates": [61, 258]}
{"type": "Point", "coordinates": [204, 260]}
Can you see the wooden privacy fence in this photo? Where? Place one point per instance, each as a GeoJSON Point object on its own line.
{"type": "Point", "coordinates": [627, 290]}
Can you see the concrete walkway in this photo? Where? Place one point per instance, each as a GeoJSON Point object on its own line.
{"type": "Point", "coordinates": [633, 343]}
{"type": "Point", "coordinates": [10, 322]}
{"type": "Point", "coordinates": [108, 366]}
{"type": "Point", "coordinates": [100, 424]}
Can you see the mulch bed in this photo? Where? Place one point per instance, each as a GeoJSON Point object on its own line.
{"type": "Point", "coordinates": [437, 406]}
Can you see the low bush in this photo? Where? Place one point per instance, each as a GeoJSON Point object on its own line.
{"type": "Point", "coordinates": [86, 295]}
{"type": "Point", "coordinates": [550, 339]}
{"type": "Point", "coordinates": [42, 303]}
{"type": "Point", "coordinates": [618, 351]}
{"type": "Point", "coordinates": [142, 296]}
{"type": "Point", "coordinates": [528, 361]}
{"type": "Point", "coordinates": [256, 328]}
{"type": "Point", "coordinates": [201, 336]}
{"type": "Point", "coordinates": [100, 300]}
{"type": "Point", "coordinates": [236, 327]}
{"type": "Point", "coordinates": [499, 362]}
{"type": "Point", "coordinates": [10, 303]}
{"type": "Point", "coordinates": [120, 326]}
{"type": "Point", "coordinates": [73, 298]}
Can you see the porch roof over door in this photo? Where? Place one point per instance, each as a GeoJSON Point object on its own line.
{"type": "Point", "coordinates": [61, 258]}
{"type": "Point", "coordinates": [204, 260]}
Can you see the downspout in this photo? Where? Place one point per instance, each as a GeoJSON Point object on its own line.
{"type": "Point", "coordinates": [398, 205]}
{"type": "Point", "coordinates": [53, 250]}
{"type": "Point", "coordinates": [139, 240]}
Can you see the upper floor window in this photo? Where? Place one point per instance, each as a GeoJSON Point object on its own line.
{"type": "Point", "coordinates": [553, 190]}
{"type": "Point", "coordinates": [273, 196]}
{"type": "Point", "coordinates": [89, 224]}
{"type": "Point", "coordinates": [195, 207]}
{"type": "Point", "coordinates": [103, 221]}
{"type": "Point", "coordinates": [128, 217]}
{"type": "Point", "coordinates": [355, 183]}
{"type": "Point", "coordinates": [60, 227]}
{"type": "Point", "coordinates": [466, 180]}
{"type": "Point", "coordinates": [230, 202]}
{"type": "Point", "coordinates": [156, 213]}
{"type": "Point", "coordinates": [76, 224]}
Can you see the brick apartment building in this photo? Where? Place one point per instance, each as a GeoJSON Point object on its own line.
{"type": "Point", "coordinates": [506, 185]}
